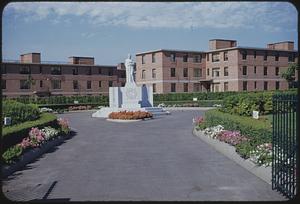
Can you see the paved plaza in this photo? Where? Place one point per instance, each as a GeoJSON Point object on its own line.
{"type": "Point", "coordinates": [157, 160]}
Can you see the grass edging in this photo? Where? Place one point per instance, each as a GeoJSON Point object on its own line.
{"type": "Point", "coordinates": [264, 173]}
{"type": "Point", "coordinates": [31, 155]}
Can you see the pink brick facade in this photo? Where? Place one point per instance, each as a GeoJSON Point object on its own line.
{"type": "Point", "coordinates": [225, 67]}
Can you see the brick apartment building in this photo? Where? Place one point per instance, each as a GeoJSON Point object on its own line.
{"type": "Point", "coordinates": [225, 67]}
{"type": "Point", "coordinates": [80, 76]}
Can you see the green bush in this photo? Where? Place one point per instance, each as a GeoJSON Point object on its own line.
{"type": "Point", "coordinates": [190, 96]}
{"type": "Point", "coordinates": [244, 149]}
{"type": "Point", "coordinates": [12, 153]}
{"type": "Point", "coordinates": [14, 134]}
{"type": "Point", "coordinates": [258, 131]}
{"type": "Point", "coordinates": [19, 112]}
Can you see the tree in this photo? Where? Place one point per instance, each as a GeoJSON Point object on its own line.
{"type": "Point", "coordinates": [289, 74]}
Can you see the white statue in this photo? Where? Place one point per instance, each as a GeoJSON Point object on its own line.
{"type": "Point", "coordinates": [129, 64]}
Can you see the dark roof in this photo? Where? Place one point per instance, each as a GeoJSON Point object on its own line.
{"type": "Point", "coordinates": [31, 53]}
{"type": "Point", "coordinates": [169, 50]}
{"type": "Point", "coordinates": [82, 57]}
{"type": "Point", "coordinates": [221, 39]}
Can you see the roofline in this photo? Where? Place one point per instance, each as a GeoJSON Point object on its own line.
{"type": "Point", "coordinates": [250, 48]}
{"type": "Point", "coordinates": [82, 57]}
{"type": "Point", "coordinates": [168, 50]}
{"type": "Point", "coordinates": [222, 39]}
{"type": "Point", "coordinates": [282, 42]}
{"type": "Point", "coordinates": [57, 64]}
{"type": "Point", "coordinates": [30, 53]}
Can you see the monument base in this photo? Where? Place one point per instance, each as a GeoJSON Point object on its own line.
{"type": "Point", "coordinates": [105, 111]}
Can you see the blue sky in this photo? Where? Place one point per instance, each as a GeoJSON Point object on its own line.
{"type": "Point", "coordinates": [109, 31]}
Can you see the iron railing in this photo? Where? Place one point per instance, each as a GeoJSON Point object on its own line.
{"type": "Point", "coordinates": [284, 162]}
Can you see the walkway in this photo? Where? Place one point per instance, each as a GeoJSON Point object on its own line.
{"type": "Point", "coordinates": [154, 160]}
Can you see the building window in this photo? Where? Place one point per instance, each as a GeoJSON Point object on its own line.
{"type": "Point", "coordinates": [245, 85]}
{"type": "Point", "coordinates": [154, 88]}
{"type": "Point", "coordinates": [265, 71]}
{"type": "Point", "coordinates": [99, 71]}
{"type": "Point", "coordinates": [110, 83]}
{"type": "Point", "coordinates": [277, 85]}
{"type": "Point", "coordinates": [143, 59]}
{"type": "Point", "coordinates": [216, 87]}
{"type": "Point", "coordinates": [255, 85]}
{"type": "Point", "coordinates": [215, 72]}
{"type": "Point", "coordinates": [88, 84]}
{"type": "Point", "coordinates": [197, 59]}
{"type": "Point", "coordinates": [254, 54]}
{"type": "Point", "coordinates": [197, 87]}
{"type": "Point", "coordinates": [226, 71]}
{"type": "Point", "coordinates": [41, 69]}
{"type": "Point", "coordinates": [225, 56]}
{"type": "Point", "coordinates": [123, 84]}
{"type": "Point", "coordinates": [185, 58]}
{"type": "Point", "coordinates": [291, 57]}
{"type": "Point", "coordinates": [89, 71]}
{"type": "Point", "coordinates": [207, 72]}
{"type": "Point", "coordinates": [153, 58]}
{"type": "Point", "coordinates": [56, 70]}
{"type": "Point", "coordinates": [265, 85]}
{"type": "Point", "coordinates": [75, 70]}
{"type": "Point", "coordinates": [41, 83]}
{"type": "Point", "coordinates": [244, 54]}
{"type": "Point", "coordinates": [100, 84]}
{"type": "Point", "coordinates": [25, 70]}
{"type": "Point", "coordinates": [197, 72]}
{"type": "Point", "coordinates": [24, 84]}
{"type": "Point", "coordinates": [3, 69]}
{"type": "Point", "coordinates": [265, 55]}
{"type": "Point", "coordinates": [143, 74]}
{"type": "Point", "coordinates": [254, 69]}
{"type": "Point", "coordinates": [173, 72]}
{"type": "Point", "coordinates": [215, 57]}
{"type": "Point", "coordinates": [276, 56]}
{"type": "Point", "coordinates": [173, 87]}
{"type": "Point", "coordinates": [225, 86]}
{"type": "Point", "coordinates": [185, 87]}
{"type": "Point", "coordinates": [185, 72]}
{"type": "Point", "coordinates": [207, 57]}
{"type": "Point", "coordinates": [173, 57]}
{"type": "Point", "coordinates": [244, 70]}
{"type": "Point", "coordinates": [3, 84]}
{"type": "Point", "coordinates": [153, 73]}
{"type": "Point", "coordinates": [110, 72]}
{"type": "Point", "coordinates": [56, 84]}
{"type": "Point", "coordinates": [277, 71]}
{"type": "Point", "coordinates": [75, 84]}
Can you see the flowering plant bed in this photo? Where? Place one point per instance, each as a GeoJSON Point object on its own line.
{"type": "Point", "coordinates": [130, 115]}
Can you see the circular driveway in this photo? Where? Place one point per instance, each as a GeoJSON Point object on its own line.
{"type": "Point", "coordinates": [153, 160]}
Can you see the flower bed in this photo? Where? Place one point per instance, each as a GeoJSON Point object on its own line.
{"type": "Point", "coordinates": [130, 115]}
{"type": "Point", "coordinates": [260, 154]}
{"type": "Point", "coordinates": [36, 138]}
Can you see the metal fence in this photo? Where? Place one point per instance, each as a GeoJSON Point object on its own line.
{"type": "Point", "coordinates": [284, 162]}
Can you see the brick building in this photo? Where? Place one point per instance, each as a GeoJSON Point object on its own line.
{"type": "Point", "coordinates": [224, 67]}
{"type": "Point", "coordinates": [80, 76]}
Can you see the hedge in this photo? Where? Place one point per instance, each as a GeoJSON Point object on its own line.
{"type": "Point", "coordinates": [65, 106]}
{"type": "Point", "coordinates": [19, 112]}
{"type": "Point", "coordinates": [14, 134]}
{"type": "Point", "coordinates": [201, 103]}
{"type": "Point", "coordinates": [258, 131]}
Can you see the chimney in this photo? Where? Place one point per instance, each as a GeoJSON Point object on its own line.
{"type": "Point", "coordinates": [30, 58]}
{"type": "Point", "coordinates": [215, 44]}
{"type": "Point", "coordinates": [81, 60]}
{"type": "Point", "coordinates": [286, 45]}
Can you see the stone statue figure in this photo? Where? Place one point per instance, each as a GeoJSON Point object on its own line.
{"type": "Point", "coordinates": [129, 64]}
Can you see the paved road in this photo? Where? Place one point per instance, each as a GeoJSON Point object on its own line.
{"type": "Point", "coordinates": [154, 160]}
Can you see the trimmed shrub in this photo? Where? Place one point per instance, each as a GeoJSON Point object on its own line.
{"type": "Point", "coordinates": [258, 131]}
{"type": "Point", "coordinates": [19, 112]}
{"type": "Point", "coordinates": [191, 103]}
{"type": "Point", "coordinates": [14, 134]}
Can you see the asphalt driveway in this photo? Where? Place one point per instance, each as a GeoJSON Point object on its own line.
{"type": "Point", "coordinates": [153, 160]}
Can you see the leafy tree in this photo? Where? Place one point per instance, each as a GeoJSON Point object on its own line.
{"type": "Point", "coordinates": [289, 74]}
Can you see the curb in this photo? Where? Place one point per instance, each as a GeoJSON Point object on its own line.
{"type": "Point", "coordinates": [30, 156]}
{"type": "Point", "coordinates": [264, 173]}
